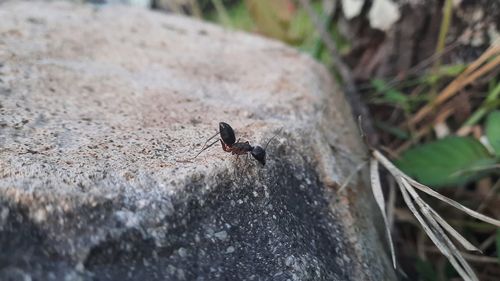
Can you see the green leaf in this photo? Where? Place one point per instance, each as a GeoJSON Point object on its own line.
{"type": "Point", "coordinates": [389, 94]}
{"type": "Point", "coordinates": [493, 131]}
{"type": "Point", "coordinates": [444, 71]}
{"type": "Point", "coordinates": [395, 131]}
{"type": "Point", "coordinates": [452, 70]}
{"type": "Point", "coordinates": [445, 162]}
{"type": "Point", "coordinates": [396, 97]}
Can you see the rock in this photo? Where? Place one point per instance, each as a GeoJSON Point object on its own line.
{"type": "Point", "coordinates": [101, 110]}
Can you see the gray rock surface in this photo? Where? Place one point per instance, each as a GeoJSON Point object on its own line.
{"type": "Point", "coordinates": [101, 107]}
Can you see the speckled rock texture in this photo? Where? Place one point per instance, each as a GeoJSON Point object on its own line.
{"type": "Point", "coordinates": [101, 112]}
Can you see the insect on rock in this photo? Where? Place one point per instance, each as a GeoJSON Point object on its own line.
{"type": "Point", "coordinates": [229, 144]}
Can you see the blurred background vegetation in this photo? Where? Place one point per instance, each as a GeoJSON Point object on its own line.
{"type": "Point", "coordinates": [428, 73]}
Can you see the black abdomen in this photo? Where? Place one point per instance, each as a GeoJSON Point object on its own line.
{"type": "Point", "coordinates": [227, 133]}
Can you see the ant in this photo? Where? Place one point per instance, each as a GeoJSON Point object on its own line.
{"type": "Point", "coordinates": [229, 144]}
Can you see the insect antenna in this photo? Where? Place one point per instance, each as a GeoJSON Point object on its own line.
{"type": "Point", "coordinates": [272, 138]}
{"type": "Point", "coordinates": [205, 147]}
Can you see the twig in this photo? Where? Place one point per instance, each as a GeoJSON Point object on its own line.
{"type": "Point", "coordinates": [472, 72]}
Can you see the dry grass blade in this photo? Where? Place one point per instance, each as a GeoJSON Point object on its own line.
{"type": "Point", "coordinates": [423, 223]}
{"type": "Point", "coordinates": [453, 203]}
{"type": "Point", "coordinates": [430, 214]}
{"type": "Point", "coordinates": [436, 219]}
{"type": "Point", "coordinates": [433, 224]}
{"type": "Point", "coordinates": [434, 230]}
{"type": "Point", "coordinates": [395, 171]}
{"type": "Point", "coordinates": [466, 244]}
{"type": "Point", "coordinates": [469, 257]}
{"type": "Point", "coordinates": [473, 72]}
{"type": "Point", "coordinates": [379, 198]}
{"type": "Point", "coordinates": [476, 169]}
{"type": "Point", "coordinates": [391, 203]}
